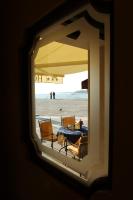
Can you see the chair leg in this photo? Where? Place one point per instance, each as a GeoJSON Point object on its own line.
{"type": "Point", "coordinates": [65, 146]}
{"type": "Point", "coordinates": [52, 144]}
{"type": "Point", "coordinates": [66, 150]}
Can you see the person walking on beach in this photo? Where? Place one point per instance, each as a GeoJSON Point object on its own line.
{"type": "Point", "coordinates": [53, 95]}
{"type": "Point", "coordinates": [50, 95]}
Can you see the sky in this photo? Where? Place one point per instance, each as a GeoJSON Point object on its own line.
{"type": "Point", "coordinates": [71, 83]}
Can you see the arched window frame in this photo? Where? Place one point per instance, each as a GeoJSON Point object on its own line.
{"type": "Point", "coordinates": [31, 49]}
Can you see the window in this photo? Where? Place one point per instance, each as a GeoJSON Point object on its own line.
{"type": "Point", "coordinates": [72, 58]}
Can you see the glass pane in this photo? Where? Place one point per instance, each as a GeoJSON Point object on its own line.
{"type": "Point", "coordinates": [61, 102]}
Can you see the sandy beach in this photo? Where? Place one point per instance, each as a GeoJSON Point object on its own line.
{"type": "Point", "coordinates": [63, 107]}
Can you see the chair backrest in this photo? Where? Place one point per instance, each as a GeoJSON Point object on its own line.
{"type": "Point", "coordinates": [46, 128]}
{"type": "Point", "coordinates": [65, 121]}
{"type": "Point", "coordinates": [83, 146]}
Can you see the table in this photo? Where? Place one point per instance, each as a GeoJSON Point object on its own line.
{"type": "Point", "coordinates": [72, 135]}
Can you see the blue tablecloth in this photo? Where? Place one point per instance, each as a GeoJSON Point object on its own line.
{"type": "Point", "coordinates": [72, 135]}
{"type": "Point", "coordinates": [84, 130]}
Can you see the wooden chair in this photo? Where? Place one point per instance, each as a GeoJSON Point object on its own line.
{"type": "Point", "coordinates": [61, 139]}
{"type": "Point", "coordinates": [68, 121]}
{"type": "Point", "coordinates": [80, 148]}
{"type": "Point", "coordinates": [46, 131]}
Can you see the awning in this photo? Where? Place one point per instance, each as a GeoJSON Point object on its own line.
{"type": "Point", "coordinates": [57, 59]}
{"type": "Point", "coordinates": [84, 84]}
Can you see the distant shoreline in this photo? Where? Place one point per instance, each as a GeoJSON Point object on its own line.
{"type": "Point", "coordinates": [47, 99]}
{"type": "Point", "coordinates": [65, 95]}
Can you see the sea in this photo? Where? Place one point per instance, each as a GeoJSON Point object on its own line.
{"type": "Point", "coordinates": [81, 94]}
